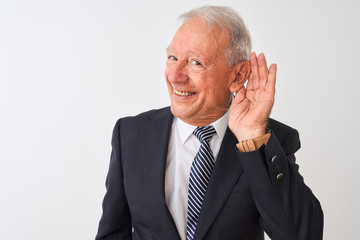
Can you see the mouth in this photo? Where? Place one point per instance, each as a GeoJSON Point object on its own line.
{"type": "Point", "coordinates": [181, 93]}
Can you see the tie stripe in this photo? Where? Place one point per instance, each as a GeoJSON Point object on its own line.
{"type": "Point", "coordinates": [200, 173]}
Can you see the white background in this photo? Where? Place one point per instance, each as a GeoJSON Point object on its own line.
{"type": "Point", "coordinates": [69, 69]}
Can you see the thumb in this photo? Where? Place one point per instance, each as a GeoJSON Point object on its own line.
{"type": "Point", "coordinates": [240, 95]}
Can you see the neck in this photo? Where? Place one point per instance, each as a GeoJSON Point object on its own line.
{"type": "Point", "coordinates": [209, 119]}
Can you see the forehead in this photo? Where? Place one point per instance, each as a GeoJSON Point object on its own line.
{"type": "Point", "coordinates": [197, 36]}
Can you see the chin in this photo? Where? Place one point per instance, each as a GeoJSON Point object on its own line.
{"type": "Point", "coordinates": [181, 112]}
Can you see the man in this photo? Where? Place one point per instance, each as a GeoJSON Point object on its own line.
{"type": "Point", "coordinates": [213, 166]}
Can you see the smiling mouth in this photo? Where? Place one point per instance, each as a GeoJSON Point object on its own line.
{"type": "Point", "coordinates": [180, 93]}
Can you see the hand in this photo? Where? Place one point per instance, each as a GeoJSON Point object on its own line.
{"type": "Point", "coordinates": [251, 107]}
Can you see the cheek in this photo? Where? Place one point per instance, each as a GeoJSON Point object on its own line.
{"type": "Point", "coordinates": [168, 78]}
{"type": "Point", "coordinates": [220, 92]}
{"type": "Point", "coordinates": [199, 81]}
{"type": "Point", "coordinates": [169, 87]}
{"type": "Point", "coordinates": [166, 73]}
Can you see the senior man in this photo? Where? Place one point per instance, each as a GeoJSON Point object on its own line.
{"type": "Point", "coordinates": [212, 166]}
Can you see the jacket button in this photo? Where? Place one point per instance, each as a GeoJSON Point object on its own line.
{"type": "Point", "coordinates": [273, 159]}
{"type": "Point", "coordinates": [279, 176]}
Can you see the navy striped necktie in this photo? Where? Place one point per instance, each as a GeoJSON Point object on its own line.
{"type": "Point", "coordinates": [200, 173]}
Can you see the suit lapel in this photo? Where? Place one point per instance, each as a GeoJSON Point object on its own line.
{"type": "Point", "coordinates": [225, 174]}
{"type": "Point", "coordinates": [156, 135]}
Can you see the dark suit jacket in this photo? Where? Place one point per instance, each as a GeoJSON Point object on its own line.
{"type": "Point", "coordinates": [245, 195]}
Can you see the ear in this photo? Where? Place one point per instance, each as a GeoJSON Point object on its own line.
{"type": "Point", "coordinates": [241, 72]}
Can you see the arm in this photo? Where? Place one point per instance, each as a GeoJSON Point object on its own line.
{"type": "Point", "coordinates": [287, 207]}
{"type": "Point", "coordinates": [115, 223]}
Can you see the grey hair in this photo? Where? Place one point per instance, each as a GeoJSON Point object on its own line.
{"type": "Point", "coordinates": [228, 20]}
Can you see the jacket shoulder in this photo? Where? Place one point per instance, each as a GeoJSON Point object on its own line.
{"type": "Point", "coordinates": [148, 115]}
{"type": "Point", "coordinates": [138, 124]}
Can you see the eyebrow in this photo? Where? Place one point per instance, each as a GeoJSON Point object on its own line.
{"type": "Point", "coordinates": [169, 49]}
{"type": "Point", "coordinates": [201, 56]}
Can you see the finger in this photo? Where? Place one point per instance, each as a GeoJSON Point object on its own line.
{"type": "Point", "coordinates": [239, 96]}
{"type": "Point", "coordinates": [254, 76]}
{"type": "Point", "coordinates": [239, 105]}
{"type": "Point", "coordinates": [249, 83]}
{"type": "Point", "coordinates": [270, 86]}
{"type": "Point", "coordinates": [263, 70]}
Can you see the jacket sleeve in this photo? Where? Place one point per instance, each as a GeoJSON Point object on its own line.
{"type": "Point", "coordinates": [287, 207]}
{"type": "Point", "coordinates": [115, 223]}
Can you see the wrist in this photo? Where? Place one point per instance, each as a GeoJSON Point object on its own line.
{"type": "Point", "coordinates": [247, 134]}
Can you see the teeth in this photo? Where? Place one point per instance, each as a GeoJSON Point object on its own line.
{"type": "Point", "coordinates": [183, 93]}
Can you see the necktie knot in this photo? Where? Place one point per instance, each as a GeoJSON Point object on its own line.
{"type": "Point", "coordinates": [204, 133]}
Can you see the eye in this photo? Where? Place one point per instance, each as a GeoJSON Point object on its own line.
{"type": "Point", "coordinates": [196, 62]}
{"type": "Point", "coordinates": [196, 65]}
{"type": "Point", "coordinates": [172, 58]}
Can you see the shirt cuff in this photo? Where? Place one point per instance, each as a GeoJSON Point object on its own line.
{"type": "Point", "coordinates": [253, 144]}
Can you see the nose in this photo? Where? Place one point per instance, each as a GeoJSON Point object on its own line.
{"type": "Point", "coordinates": [176, 73]}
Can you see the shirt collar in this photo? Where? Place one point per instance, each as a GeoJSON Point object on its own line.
{"type": "Point", "coordinates": [185, 130]}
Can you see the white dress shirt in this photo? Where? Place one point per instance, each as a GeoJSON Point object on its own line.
{"type": "Point", "coordinates": [183, 146]}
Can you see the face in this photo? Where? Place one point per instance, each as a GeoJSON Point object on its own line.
{"type": "Point", "coordinates": [197, 75]}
